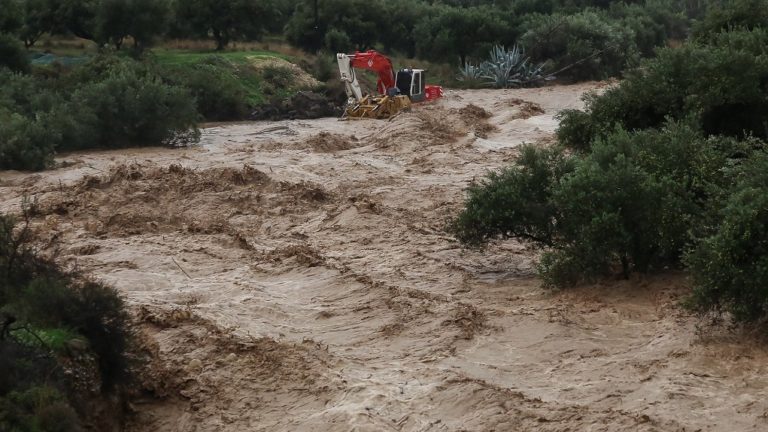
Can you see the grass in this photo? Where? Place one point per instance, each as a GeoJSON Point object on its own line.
{"type": "Point", "coordinates": [53, 338]}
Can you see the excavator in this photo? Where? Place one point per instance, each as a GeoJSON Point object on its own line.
{"type": "Point", "coordinates": [396, 91]}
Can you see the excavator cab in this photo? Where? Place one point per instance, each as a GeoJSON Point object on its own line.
{"type": "Point", "coordinates": [411, 82]}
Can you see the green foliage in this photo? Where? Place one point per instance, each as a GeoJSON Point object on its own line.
{"type": "Point", "coordinates": [730, 267]}
{"type": "Point", "coordinates": [78, 17]}
{"type": "Point", "coordinates": [727, 15]}
{"type": "Point", "coordinates": [134, 107]}
{"type": "Point", "coordinates": [324, 66]}
{"type": "Point", "coordinates": [670, 171]}
{"type": "Point", "coordinates": [631, 204]}
{"type": "Point", "coordinates": [10, 16]}
{"type": "Point", "coordinates": [143, 20]}
{"type": "Point", "coordinates": [12, 54]}
{"type": "Point", "coordinates": [720, 85]}
{"type": "Point", "coordinates": [516, 202]}
{"type": "Point", "coordinates": [504, 69]}
{"type": "Point", "coordinates": [55, 339]}
{"type": "Point", "coordinates": [355, 21]}
{"type": "Point", "coordinates": [48, 308]}
{"type": "Point", "coordinates": [38, 18]}
{"type": "Point", "coordinates": [575, 128]}
{"type": "Point", "coordinates": [40, 295]}
{"type": "Point", "coordinates": [106, 103]}
{"type": "Point", "coordinates": [453, 34]}
{"type": "Point", "coordinates": [37, 409]}
{"type": "Point", "coordinates": [216, 86]}
{"type": "Point", "coordinates": [619, 210]}
{"type": "Point", "coordinates": [585, 45]}
{"type": "Point", "coordinates": [25, 143]}
{"type": "Point", "coordinates": [397, 24]}
{"type": "Point", "coordinates": [224, 21]}
{"type": "Point", "coordinates": [337, 41]}
{"type": "Point", "coordinates": [652, 22]}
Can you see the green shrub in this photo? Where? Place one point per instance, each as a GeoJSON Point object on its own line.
{"type": "Point", "coordinates": [218, 92]}
{"type": "Point", "coordinates": [12, 54]}
{"type": "Point", "coordinates": [730, 267]}
{"type": "Point", "coordinates": [721, 86]}
{"type": "Point", "coordinates": [575, 129]}
{"type": "Point", "coordinates": [324, 67]}
{"type": "Point", "coordinates": [40, 295]}
{"type": "Point", "coordinates": [133, 109]}
{"type": "Point", "coordinates": [652, 22]}
{"type": "Point", "coordinates": [585, 45]}
{"type": "Point", "coordinates": [627, 205]}
{"type": "Point", "coordinates": [727, 15]}
{"type": "Point", "coordinates": [632, 203]}
{"type": "Point", "coordinates": [106, 103]}
{"type": "Point", "coordinates": [337, 41]}
{"type": "Point", "coordinates": [516, 202]}
{"type": "Point", "coordinates": [38, 408]}
{"type": "Point", "coordinates": [25, 143]}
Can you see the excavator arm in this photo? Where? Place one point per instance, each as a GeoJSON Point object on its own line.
{"type": "Point", "coordinates": [370, 60]}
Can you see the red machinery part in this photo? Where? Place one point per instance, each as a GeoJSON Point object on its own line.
{"type": "Point", "coordinates": [433, 92]}
{"type": "Point", "coordinates": [378, 63]}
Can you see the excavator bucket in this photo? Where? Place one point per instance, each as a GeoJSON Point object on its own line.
{"type": "Point", "coordinates": [377, 107]}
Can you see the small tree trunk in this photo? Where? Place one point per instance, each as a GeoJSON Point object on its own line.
{"type": "Point", "coordinates": [221, 39]}
{"type": "Point", "coordinates": [625, 266]}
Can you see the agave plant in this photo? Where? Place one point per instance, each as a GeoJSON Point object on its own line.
{"type": "Point", "coordinates": [504, 68]}
{"type": "Point", "coordinates": [470, 72]}
{"type": "Point", "coordinates": [513, 57]}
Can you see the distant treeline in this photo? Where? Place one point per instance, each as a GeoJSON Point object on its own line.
{"type": "Point", "coordinates": [451, 31]}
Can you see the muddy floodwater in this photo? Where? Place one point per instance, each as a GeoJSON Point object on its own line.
{"type": "Point", "coordinates": [297, 276]}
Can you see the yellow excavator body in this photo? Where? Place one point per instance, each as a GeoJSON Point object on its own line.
{"type": "Point", "coordinates": [377, 107]}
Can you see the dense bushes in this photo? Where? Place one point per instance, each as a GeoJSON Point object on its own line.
{"type": "Point", "coordinates": [106, 103]}
{"type": "Point", "coordinates": [595, 39]}
{"type": "Point", "coordinates": [218, 91]}
{"type": "Point", "coordinates": [632, 204]}
{"type": "Point", "coordinates": [224, 21]}
{"type": "Point", "coordinates": [730, 267]}
{"type": "Point", "coordinates": [725, 15]}
{"type": "Point", "coordinates": [516, 202]}
{"type": "Point", "coordinates": [588, 43]}
{"type": "Point", "coordinates": [721, 85]}
{"type": "Point", "coordinates": [25, 143]}
{"type": "Point", "coordinates": [12, 54]}
{"type": "Point", "coordinates": [669, 171]}
{"type": "Point", "coordinates": [131, 106]}
{"type": "Point", "coordinates": [49, 315]}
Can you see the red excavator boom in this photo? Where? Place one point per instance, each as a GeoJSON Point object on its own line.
{"type": "Point", "coordinates": [379, 63]}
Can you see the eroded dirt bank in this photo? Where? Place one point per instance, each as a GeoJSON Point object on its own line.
{"type": "Point", "coordinates": [295, 276]}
